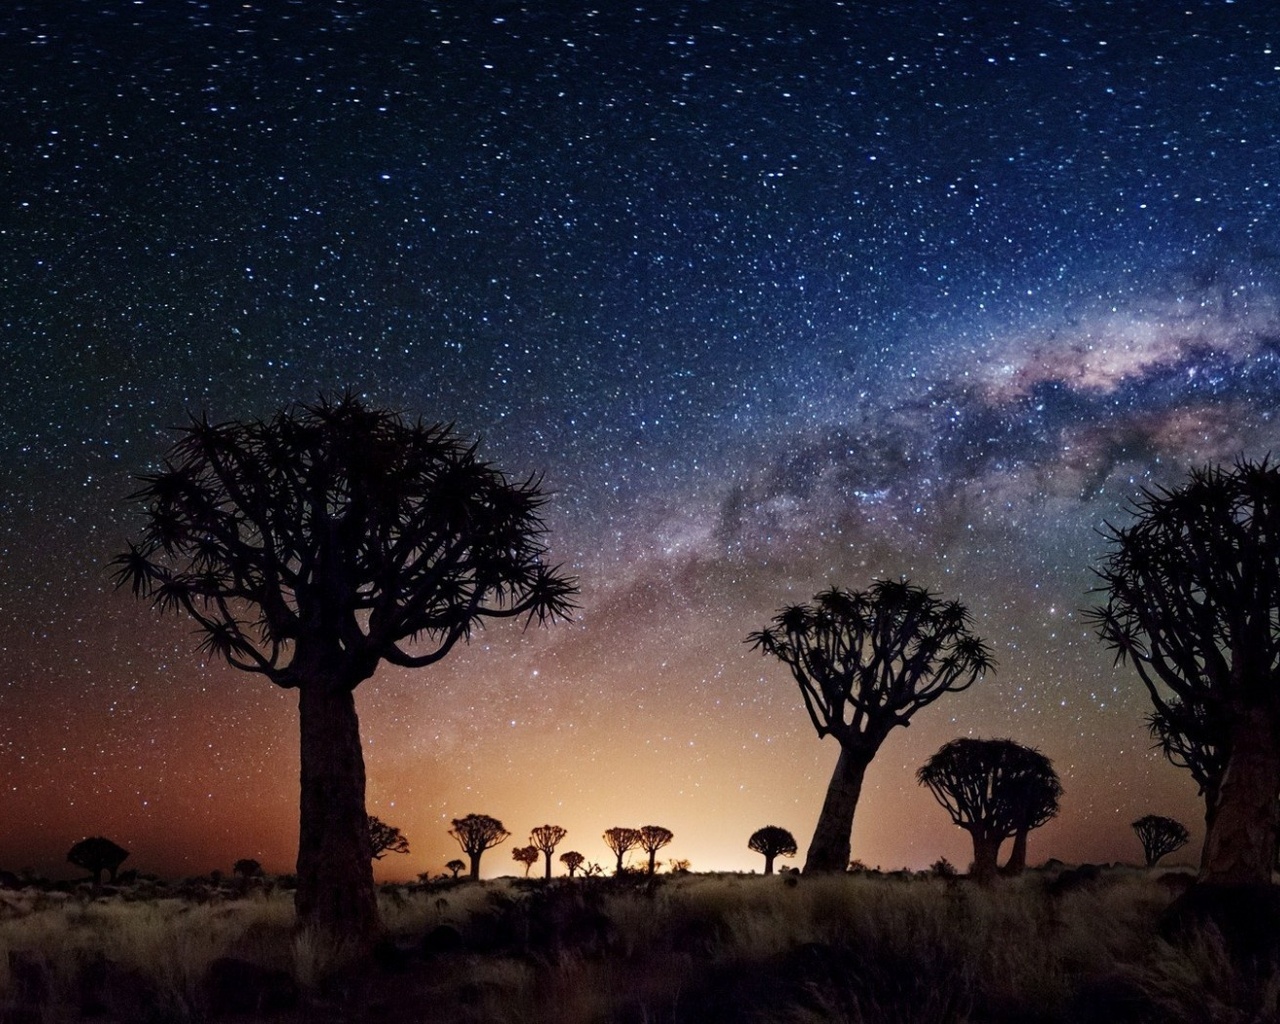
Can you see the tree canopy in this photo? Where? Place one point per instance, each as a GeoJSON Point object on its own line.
{"type": "Point", "coordinates": [476, 833]}
{"type": "Point", "coordinates": [772, 841]}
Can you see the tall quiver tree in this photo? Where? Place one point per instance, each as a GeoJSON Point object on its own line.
{"type": "Point", "coordinates": [621, 840]}
{"type": "Point", "coordinates": [476, 833]}
{"type": "Point", "coordinates": [865, 662]}
{"type": "Point", "coordinates": [545, 838]}
{"type": "Point", "coordinates": [313, 546]}
{"type": "Point", "coordinates": [1159, 836]}
{"type": "Point", "coordinates": [991, 789]}
{"type": "Point", "coordinates": [1192, 590]}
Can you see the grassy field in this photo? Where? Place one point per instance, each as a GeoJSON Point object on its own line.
{"type": "Point", "coordinates": [696, 948]}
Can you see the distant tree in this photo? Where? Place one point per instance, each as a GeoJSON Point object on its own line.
{"type": "Point", "coordinates": [247, 867]}
{"type": "Point", "coordinates": [1034, 795]}
{"type": "Point", "coordinates": [621, 840]}
{"type": "Point", "coordinates": [1159, 836]}
{"type": "Point", "coordinates": [546, 838]}
{"type": "Point", "coordinates": [384, 839]}
{"type": "Point", "coordinates": [652, 839]}
{"type": "Point", "coordinates": [97, 854]}
{"type": "Point", "coordinates": [526, 855]}
{"type": "Point", "coordinates": [772, 841]}
{"type": "Point", "coordinates": [592, 869]}
{"type": "Point", "coordinates": [1192, 590]}
{"type": "Point", "coordinates": [680, 865]}
{"type": "Point", "coordinates": [984, 785]}
{"type": "Point", "coordinates": [454, 866]}
{"type": "Point", "coordinates": [313, 546]}
{"type": "Point", "coordinates": [865, 662]}
{"type": "Point", "coordinates": [476, 833]}
{"type": "Point", "coordinates": [572, 861]}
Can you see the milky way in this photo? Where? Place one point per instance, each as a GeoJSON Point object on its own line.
{"type": "Point", "coordinates": [775, 297]}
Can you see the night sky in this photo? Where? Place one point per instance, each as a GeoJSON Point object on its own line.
{"type": "Point", "coordinates": [777, 296]}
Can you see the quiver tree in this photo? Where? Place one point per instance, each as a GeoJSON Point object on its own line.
{"type": "Point", "coordinates": [454, 866]}
{"type": "Point", "coordinates": [572, 861]}
{"type": "Point", "coordinates": [476, 833]}
{"type": "Point", "coordinates": [97, 854]}
{"type": "Point", "coordinates": [1192, 589]}
{"type": "Point", "coordinates": [1034, 795]}
{"type": "Point", "coordinates": [772, 841]}
{"type": "Point", "coordinates": [987, 786]}
{"type": "Point", "coordinates": [865, 662]}
{"type": "Point", "coordinates": [1159, 836]}
{"type": "Point", "coordinates": [385, 839]}
{"type": "Point", "coordinates": [545, 838]}
{"type": "Point", "coordinates": [313, 546]}
{"type": "Point", "coordinates": [652, 839]}
{"type": "Point", "coordinates": [621, 840]}
{"type": "Point", "coordinates": [526, 855]}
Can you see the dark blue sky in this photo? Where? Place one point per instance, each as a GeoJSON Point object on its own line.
{"type": "Point", "coordinates": [777, 295]}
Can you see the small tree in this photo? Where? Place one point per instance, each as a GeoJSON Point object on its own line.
{"type": "Point", "coordinates": [476, 833]}
{"type": "Point", "coordinates": [312, 547]}
{"type": "Point", "coordinates": [546, 838]}
{"type": "Point", "coordinates": [526, 855]}
{"type": "Point", "coordinates": [97, 854]}
{"type": "Point", "coordinates": [572, 861]}
{"type": "Point", "coordinates": [247, 867]}
{"type": "Point", "coordinates": [620, 840]}
{"type": "Point", "coordinates": [865, 662]}
{"type": "Point", "coordinates": [1192, 590]}
{"type": "Point", "coordinates": [985, 785]}
{"type": "Point", "coordinates": [772, 841]}
{"type": "Point", "coordinates": [384, 839]}
{"type": "Point", "coordinates": [454, 866]}
{"type": "Point", "coordinates": [652, 839]}
{"type": "Point", "coordinates": [1159, 836]}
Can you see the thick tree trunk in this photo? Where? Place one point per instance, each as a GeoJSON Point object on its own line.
{"type": "Point", "coordinates": [475, 866]}
{"type": "Point", "coordinates": [768, 863]}
{"type": "Point", "coordinates": [1018, 855]}
{"type": "Point", "coordinates": [652, 855]}
{"type": "Point", "coordinates": [986, 851]}
{"type": "Point", "coordinates": [829, 848]}
{"type": "Point", "coordinates": [548, 853]}
{"type": "Point", "coordinates": [618, 870]}
{"type": "Point", "coordinates": [1241, 845]}
{"type": "Point", "coordinates": [335, 870]}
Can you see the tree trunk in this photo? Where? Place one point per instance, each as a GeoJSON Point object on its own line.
{"type": "Point", "coordinates": [829, 848]}
{"type": "Point", "coordinates": [548, 852]}
{"type": "Point", "coordinates": [475, 866]}
{"type": "Point", "coordinates": [652, 854]}
{"type": "Point", "coordinates": [768, 863]}
{"type": "Point", "coordinates": [986, 851]}
{"type": "Point", "coordinates": [1210, 813]}
{"type": "Point", "coordinates": [1240, 847]}
{"type": "Point", "coordinates": [1018, 855]}
{"type": "Point", "coordinates": [618, 870]}
{"type": "Point", "coordinates": [335, 870]}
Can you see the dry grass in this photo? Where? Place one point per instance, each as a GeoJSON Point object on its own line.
{"type": "Point", "coordinates": [781, 950]}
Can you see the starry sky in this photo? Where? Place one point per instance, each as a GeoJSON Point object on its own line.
{"type": "Point", "coordinates": [776, 295]}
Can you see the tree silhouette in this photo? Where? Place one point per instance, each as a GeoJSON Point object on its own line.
{"type": "Point", "coordinates": [526, 855]}
{"type": "Point", "coordinates": [1159, 835]}
{"type": "Point", "coordinates": [572, 861]}
{"type": "Point", "coordinates": [652, 839]}
{"type": "Point", "coordinates": [546, 838]}
{"type": "Point", "coordinates": [97, 854]}
{"type": "Point", "coordinates": [1193, 603]}
{"type": "Point", "coordinates": [772, 841]}
{"type": "Point", "coordinates": [865, 662]}
{"type": "Point", "coordinates": [384, 839]}
{"type": "Point", "coordinates": [311, 547]}
{"type": "Point", "coordinates": [476, 833]}
{"type": "Point", "coordinates": [246, 867]}
{"type": "Point", "coordinates": [1194, 737]}
{"type": "Point", "coordinates": [620, 840]}
{"type": "Point", "coordinates": [454, 866]}
{"type": "Point", "coordinates": [987, 787]}
{"type": "Point", "coordinates": [1034, 796]}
